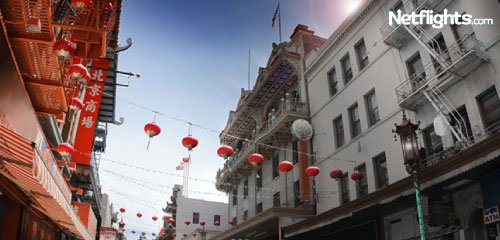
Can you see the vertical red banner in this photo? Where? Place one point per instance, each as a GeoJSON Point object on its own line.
{"type": "Point", "coordinates": [84, 139]}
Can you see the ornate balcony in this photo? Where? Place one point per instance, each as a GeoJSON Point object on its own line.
{"type": "Point", "coordinates": [235, 168]}
{"type": "Point", "coordinates": [462, 58]}
{"type": "Point", "coordinates": [276, 130]}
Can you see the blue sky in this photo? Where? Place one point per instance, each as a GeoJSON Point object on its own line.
{"type": "Point", "coordinates": [192, 56]}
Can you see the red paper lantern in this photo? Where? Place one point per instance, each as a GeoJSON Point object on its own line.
{"type": "Point", "coordinates": [232, 222]}
{"type": "Point", "coordinates": [202, 223]}
{"type": "Point", "coordinates": [79, 73]}
{"type": "Point", "coordinates": [184, 234]}
{"type": "Point", "coordinates": [285, 166]}
{"type": "Point", "coordinates": [166, 217]}
{"type": "Point", "coordinates": [217, 223]}
{"type": "Point", "coordinates": [154, 234]}
{"type": "Point", "coordinates": [143, 233]}
{"type": "Point", "coordinates": [356, 175]}
{"type": "Point", "coordinates": [187, 222]}
{"type": "Point", "coordinates": [171, 220]}
{"type": "Point", "coordinates": [139, 215]}
{"type": "Point", "coordinates": [154, 218]}
{"type": "Point", "coordinates": [312, 171]}
{"type": "Point", "coordinates": [79, 5]}
{"type": "Point", "coordinates": [189, 142]}
{"type": "Point", "coordinates": [133, 232]}
{"type": "Point", "coordinates": [152, 129]}
{"type": "Point", "coordinates": [336, 173]}
{"type": "Point", "coordinates": [65, 150]}
{"type": "Point", "coordinates": [194, 234]}
{"type": "Point", "coordinates": [122, 210]}
{"type": "Point", "coordinates": [174, 235]}
{"type": "Point", "coordinates": [225, 151]}
{"type": "Point", "coordinates": [64, 49]}
{"type": "Point", "coordinates": [185, 159]}
{"type": "Point", "coordinates": [255, 159]}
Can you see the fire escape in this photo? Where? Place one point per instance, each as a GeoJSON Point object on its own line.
{"type": "Point", "coordinates": [448, 66]}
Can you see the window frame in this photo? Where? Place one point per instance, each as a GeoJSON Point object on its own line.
{"type": "Point", "coordinates": [258, 208]}
{"type": "Point", "coordinates": [344, 195]}
{"type": "Point", "coordinates": [258, 178]}
{"type": "Point", "coordinates": [336, 132]}
{"type": "Point", "coordinates": [332, 82]}
{"type": "Point", "coordinates": [235, 197]}
{"type": "Point", "coordinates": [295, 151]}
{"type": "Point", "coordinates": [196, 220]}
{"type": "Point", "coordinates": [245, 188]}
{"type": "Point", "coordinates": [276, 161]}
{"type": "Point", "coordinates": [347, 74]}
{"type": "Point", "coordinates": [372, 113]}
{"type": "Point", "coordinates": [276, 199]}
{"type": "Point", "coordinates": [377, 167]}
{"type": "Point", "coordinates": [362, 185]}
{"type": "Point", "coordinates": [363, 62]}
{"type": "Point", "coordinates": [355, 126]}
{"type": "Point", "coordinates": [487, 123]}
{"type": "Point", "coordinates": [216, 218]}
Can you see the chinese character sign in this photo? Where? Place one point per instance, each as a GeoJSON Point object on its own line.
{"type": "Point", "coordinates": [89, 114]}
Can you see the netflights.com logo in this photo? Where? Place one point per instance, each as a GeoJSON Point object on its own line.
{"type": "Point", "coordinates": [427, 17]}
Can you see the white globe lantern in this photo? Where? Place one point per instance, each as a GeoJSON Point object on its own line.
{"type": "Point", "coordinates": [302, 129]}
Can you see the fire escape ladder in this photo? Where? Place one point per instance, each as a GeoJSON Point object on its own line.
{"type": "Point", "coordinates": [447, 112]}
{"type": "Point", "coordinates": [428, 42]}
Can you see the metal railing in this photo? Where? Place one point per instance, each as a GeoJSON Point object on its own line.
{"type": "Point", "coordinates": [432, 72]}
{"type": "Point", "coordinates": [286, 106]}
{"type": "Point", "coordinates": [478, 136]}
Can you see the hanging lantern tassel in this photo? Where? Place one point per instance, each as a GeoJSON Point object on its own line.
{"type": "Point", "coordinates": [152, 130]}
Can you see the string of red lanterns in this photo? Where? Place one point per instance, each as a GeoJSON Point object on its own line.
{"type": "Point", "coordinates": [64, 49]}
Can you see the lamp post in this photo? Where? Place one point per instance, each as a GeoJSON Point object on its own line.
{"type": "Point", "coordinates": [409, 144]}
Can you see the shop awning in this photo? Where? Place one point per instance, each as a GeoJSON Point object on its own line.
{"type": "Point", "coordinates": [21, 163]}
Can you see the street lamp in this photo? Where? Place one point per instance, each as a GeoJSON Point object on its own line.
{"type": "Point", "coordinates": [409, 144]}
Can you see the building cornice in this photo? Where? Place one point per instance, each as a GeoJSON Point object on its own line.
{"type": "Point", "coordinates": [337, 38]}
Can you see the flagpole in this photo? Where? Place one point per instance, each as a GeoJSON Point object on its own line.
{"type": "Point", "coordinates": [279, 20]}
{"type": "Point", "coordinates": [249, 69]}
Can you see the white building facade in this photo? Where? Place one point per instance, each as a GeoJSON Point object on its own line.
{"type": "Point", "coordinates": [359, 82]}
{"type": "Point", "coordinates": [183, 209]}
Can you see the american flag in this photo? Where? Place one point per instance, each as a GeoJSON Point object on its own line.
{"type": "Point", "coordinates": [179, 167]}
{"type": "Point", "coordinates": [276, 15]}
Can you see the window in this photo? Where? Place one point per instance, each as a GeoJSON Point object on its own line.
{"type": "Point", "coordinates": [398, 6]}
{"type": "Point", "coordinates": [380, 169]}
{"type": "Point", "coordinates": [489, 105]}
{"type": "Point", "coordinates": [362, 185]}
{"type": "Point", "coordinates": [332, 82]}
{"type": "Point", "coordinates": [362, 54]}
{"type": "Point", "coordinates": [295, 151]}
{"type": "Point", "coordinates": [245, 215]}
{"type": "Point", "coordinates": [416, 71]}
{"type": "Point", "coordinates": [196, 218]}
{"type": "Point", "coordinates": [276, 160]}
{"type": "Point", "coordinates": [344, 189]}
{"type": "Point", "coordinates": [439, 46]}
{"type": "Point", "coordinates": [432, 141]}
{"type": "Point", "coordinates": [258, 177]}
{"type": "Point", "coordinates": [258, 208]}
{"type": "Point", "coordinates": [235, 197]}
{"type": "Point", "coordinates": [372, 108]}
{"type": "Point", "coordinates": [245, 188]}
{"type": "Point", "coordinates": [346, 68]}
{"type": "Point", "coordinates": [461, 123]}
{"type": "Point", "coordinates": [296, 190]}
{"type": "Point", "coordinates": [276, 200]}
{"type": "Point", "coordinates": [339, 131]}
{"type": "Point", "coordinates": [216, 218]}
{"type": "Point", "coordinates": [462, 35]}
{"type": "Point", "coordinates": [354, 120]}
